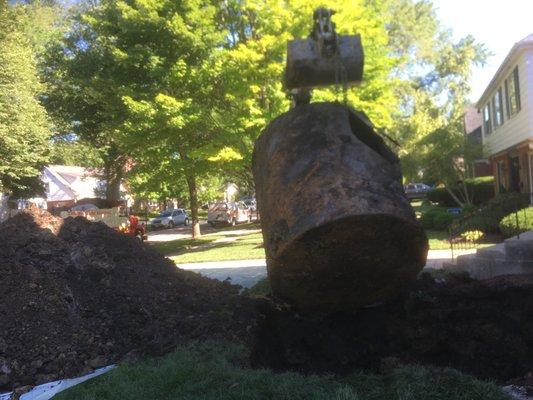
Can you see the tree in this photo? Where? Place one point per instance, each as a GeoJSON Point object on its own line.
{"type": "Point", "coordinates": [258, 33]}
{"type": "Point", "coordinates": [84, 97]}
{"type": "Point", "coordinates": [72, 151]}
{"type": "Point", "coordinates": [178, 118]}
{"type": "Point", "coordinates": [434, 72]}
{"type": "Point", "coordinates": [24, 126]}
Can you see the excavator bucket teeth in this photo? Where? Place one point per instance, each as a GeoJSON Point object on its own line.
{"type": "Point", "coordinates": [307, 68]}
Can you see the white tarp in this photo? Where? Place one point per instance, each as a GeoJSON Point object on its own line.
{"type": "Point", "coordinates": [48, 390]}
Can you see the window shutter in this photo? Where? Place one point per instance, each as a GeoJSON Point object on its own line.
{"type": "Point", "coordinates": [517, 88]}
{"type": "Point", "coordinates": [507, 103]}
{"type": "Point", "coordinates": [507, 106]}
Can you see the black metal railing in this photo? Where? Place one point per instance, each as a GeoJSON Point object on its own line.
{"type": "Point", "coordinates": [481, 226]}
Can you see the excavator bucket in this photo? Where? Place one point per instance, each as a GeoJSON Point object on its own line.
{"type": "Point", "coordinates": [308, 67]}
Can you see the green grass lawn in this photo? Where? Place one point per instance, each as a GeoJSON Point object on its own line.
{"type": "Point", "coordinates": [225, 245]}
{"type": "Point", "coordinates": [438, 240]}
{"type": "Point", "coordinates": [219, 246]}
{"type": "Point", "coordinates": [218, 371]}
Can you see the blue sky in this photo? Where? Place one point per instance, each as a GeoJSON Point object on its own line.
{"type": "Point", "coordinates": [497, 24]}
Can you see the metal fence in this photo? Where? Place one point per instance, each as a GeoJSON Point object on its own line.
{"type": "Point", "coordinates": [481, 226]}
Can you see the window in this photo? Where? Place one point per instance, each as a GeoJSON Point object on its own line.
{"type": "Point", "coordinates": [497, 108]}
{"type": "Point", "coordinates": [512, 93]}
{"type": "Point", "coordinates": [487, 126]}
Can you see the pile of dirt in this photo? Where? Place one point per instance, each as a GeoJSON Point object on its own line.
{"type": "Point", "coordinates": [76, 295]}
{"type": "Point", "coordinates": [484, 328]}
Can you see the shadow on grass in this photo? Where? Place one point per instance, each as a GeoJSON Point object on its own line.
{"type": "Point", "coordinates": [216, 247]}
{"type": "Point", "coordinates": [220, 371]}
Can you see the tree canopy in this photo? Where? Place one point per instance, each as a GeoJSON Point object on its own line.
{"type": "Point", "coordinates": [24, 125]}
{"type": "Point", "coordinates": [174, 93]}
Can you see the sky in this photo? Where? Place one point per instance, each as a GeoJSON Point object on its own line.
{"type": "Point", "coordinates": [497, 24]}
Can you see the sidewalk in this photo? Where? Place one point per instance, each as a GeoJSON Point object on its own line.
{"type": "Point", "coordinates": [247, 272]}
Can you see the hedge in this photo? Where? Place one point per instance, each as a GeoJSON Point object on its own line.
{"type": "Point", "coordinates": [482, 190]}
{"type": "Point", "coordinates": [487, 219]}
{"type": "Point", "coordinates": [508, 225]}
{"type": "Point", "coordinates": [437, 218]}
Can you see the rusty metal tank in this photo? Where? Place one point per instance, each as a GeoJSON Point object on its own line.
{"type": "Point", "coordinates": [338, 230]}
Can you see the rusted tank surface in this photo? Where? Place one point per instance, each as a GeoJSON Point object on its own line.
{"type": "Point", "coordinates": [339, 232]}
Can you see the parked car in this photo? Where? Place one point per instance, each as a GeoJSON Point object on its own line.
{"type": "Point", "coordinates": [251, 203]}
{"type": "Point", "coordinates": [170, 218]}
{"type": "Point", "coordinates": [84, 207]}
{"type": "Point", "coordinates": [228, 213]}
{"type": "Point", "coordinates": [416, 190]}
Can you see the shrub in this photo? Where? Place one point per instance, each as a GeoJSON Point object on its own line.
{"type": "Point", "coordinates": [427, 219]}
{"type": "Point", "coordinates": [482, 190]}
{"type": "Point", "coordinates": [487, 219]}
{"type": "Point", "coordinates": [468, 209]}
{"type": "Point", "coordinates": [442, 221]}
{"type": "Point", "coordinates": [437, 218]}
{"type": "Point", "coordinates": [472, 235]}
{"type": "Point", "coordinates": [508, 225]}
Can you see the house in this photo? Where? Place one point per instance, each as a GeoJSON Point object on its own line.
{"type": "Point", "coordinates": [472, 131]}
{"type": "Point", "coordinates": [506, 109]}
{"type": "Point", "coordinates": [64, 185]}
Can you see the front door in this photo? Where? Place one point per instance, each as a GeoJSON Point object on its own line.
{"type": "Point", "coordinates": [514, 174]}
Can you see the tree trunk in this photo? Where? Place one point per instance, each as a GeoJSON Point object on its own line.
{"type": "Point", "coordinates": [114, 172]}
{"type": "Point", "coordinates": [454, 196]}
{"type": "Point", "coordinates": [193, 198]}
{"type": "Point", "coordinates": [113, 180]}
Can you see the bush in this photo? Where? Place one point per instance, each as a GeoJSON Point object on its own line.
{"type": "Point", "coordinates": [482, 190]}
{"type": "Point", "coordinates": [442, 221]}
{"type": "Point", "coordinates": [437, 218]}
{"type": "Point", "coordinates": [468, 209]}
{"type": "Point", "coordinates": [427, 219]}
{"type": "Point", "coordinates": [487, 219]}
{"type": "Point", "coordinates": [508, 225]}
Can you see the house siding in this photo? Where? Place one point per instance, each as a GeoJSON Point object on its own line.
{"type": "Point", "coordinates": [520, 126]}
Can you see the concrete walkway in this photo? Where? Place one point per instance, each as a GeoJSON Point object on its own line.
{"type": "Point", "coordinates": [248, 272]}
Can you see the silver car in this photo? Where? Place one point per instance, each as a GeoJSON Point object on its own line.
{"type": "Point", "coordinates": [170, 218]}
{"type": "Point", "coordinates": [416, 190]}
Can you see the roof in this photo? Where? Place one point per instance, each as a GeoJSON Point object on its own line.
{"type": "Point", "coordinates": [70, 170]}
{"type": "Point", "coordinates": [67, 175]}
{"type": "Point", "coordinates": [526, 42]}
{"type": "Point", "coordinates": [472, 119]}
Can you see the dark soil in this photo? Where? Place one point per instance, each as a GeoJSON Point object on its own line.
{"type": "Point", "coordinates": [481, 328]}
{"type": "Point", "coordinates": [76, 295]}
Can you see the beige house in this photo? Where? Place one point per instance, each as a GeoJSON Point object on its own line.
{"type": "Point", "coordinates": [506, 108]}
{"type": "Point", "coordinates": [65, 184]}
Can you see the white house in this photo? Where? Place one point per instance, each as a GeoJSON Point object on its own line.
{"type": "Point", "coordinates": [506, 107]}
{"type": "Point", "coordinates": [64, 185]}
